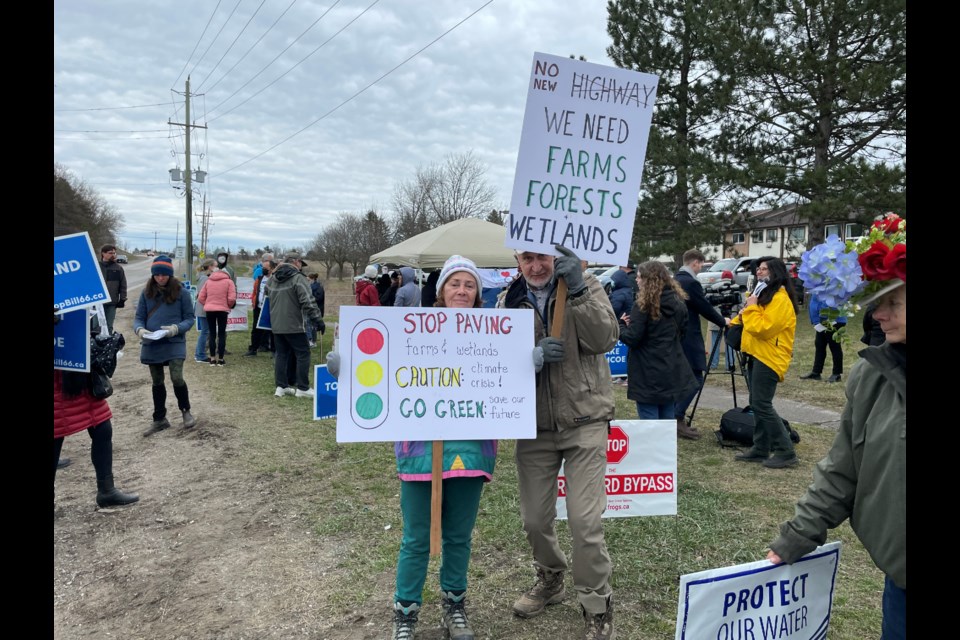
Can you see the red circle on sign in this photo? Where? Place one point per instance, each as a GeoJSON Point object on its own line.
{"type": "Point", "coordinates": [370, 341]}
{"type": "Point", "coordinates": [617, 445]}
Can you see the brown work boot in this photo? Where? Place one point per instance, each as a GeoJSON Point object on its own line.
{"type": "Point", "coordinates": [686, 431]}
{"type": "Point", "coordinates": [599, 626]}
{"type": "Point", "coordinates": [547, 590]}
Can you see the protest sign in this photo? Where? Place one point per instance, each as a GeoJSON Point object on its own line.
{"type": "Point", "coordinates": [325, 393]}
{"type": "Point", "coordinates": [435, 374]}
{"type": "Point", "coordinates": [71, 341]}
{"type": "Point", "coordinates": [617, 359]}
{"type": "Point", "coordinates": [760, 600]}
{"type": "Point", "coordinates": [244, 291]}
{"type": "Point", "coordinates": [263, 320]}
{"type": "Point", "coordinates": [77, 280]}
{"type": "Point", "coordinates": [584, 138]}
{"type": "Point", "coordinates": [641, 479]}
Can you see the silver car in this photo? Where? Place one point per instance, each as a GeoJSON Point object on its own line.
{"type": "Point", "coordinates": [736, 269]}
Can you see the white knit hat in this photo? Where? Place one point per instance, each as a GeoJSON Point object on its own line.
{"type": "Point", "coordinates": [454, 264]}
{"type": "Point", "coordinates": [370, 272]}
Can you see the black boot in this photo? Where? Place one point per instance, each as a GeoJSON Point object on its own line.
{"type": "Point", "coordinates": [183, 402]}
{"type": "Point", "coordinates": [160, 421]}
{"type": "Point", "coordinates": [109, 496]}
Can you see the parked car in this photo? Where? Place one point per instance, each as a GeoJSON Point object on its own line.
{"type": "Point", "coordinates": [122, 259]}
{"type": "Point", "coordinates": [606, 278]}
{"type": "Point", "coordinates": [736, 269]}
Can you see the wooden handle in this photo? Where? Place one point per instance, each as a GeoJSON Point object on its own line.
{"type": "Point", "coordinates": [436, 497]}
{"type": "Point", "coordinates": [559, 308]}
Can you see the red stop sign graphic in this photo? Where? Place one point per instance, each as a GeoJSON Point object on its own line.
{"type": "Point", "coordinates": [617, 445]}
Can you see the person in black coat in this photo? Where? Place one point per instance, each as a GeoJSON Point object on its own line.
{"type": "Point", "coordinates": [873, 335]}
{"type": "Point", "coordinates": [658, 375]}
{"type": "Point", "coordinates": [428, 295]}
{"type": "Point", "coordinates": [693, 346]}
{"type": "Point", "coordinates": [623, 293]}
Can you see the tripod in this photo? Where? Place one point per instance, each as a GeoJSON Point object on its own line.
{"type": "Point", "coordinates": [740, 364]}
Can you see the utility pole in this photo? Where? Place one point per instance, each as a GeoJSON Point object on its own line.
{"type": "Point", "coordinates": [188, 177]}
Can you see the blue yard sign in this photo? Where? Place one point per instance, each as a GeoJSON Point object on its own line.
{"type": "Point", "coordinates": [325, 398]}
{"type": "Point", "coordinates": [71, 341]}
{"type": "Point", "coordinates": [77, 281]}
{"type": "Point", "coordinates": [263, 321]}
{"type": "Point", "coordinates": [617, 359]}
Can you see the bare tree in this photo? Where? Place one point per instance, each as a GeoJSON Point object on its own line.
{"type": "Point", "coordinates": [78, 208]}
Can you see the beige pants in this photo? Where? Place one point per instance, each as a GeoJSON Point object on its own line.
{"type": "Point", "coordinates": [583, 452]}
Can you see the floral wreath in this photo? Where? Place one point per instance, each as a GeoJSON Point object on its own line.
{"type": "Point", "coordinates": [846, 275]}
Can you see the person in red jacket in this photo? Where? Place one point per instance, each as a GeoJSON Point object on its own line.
{"type": "Point", "coordinates": [366, 289]}
{"type": "Point", "coordinates": [218, 296]}
{"type": "Point", "coordinates": [74, 410]}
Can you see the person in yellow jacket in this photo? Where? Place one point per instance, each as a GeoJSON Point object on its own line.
{"type": "Point", "coordinates": [769, 320]}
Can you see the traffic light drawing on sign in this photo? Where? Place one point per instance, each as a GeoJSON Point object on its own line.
{"type": "Point", "coordinates": [369, 399]}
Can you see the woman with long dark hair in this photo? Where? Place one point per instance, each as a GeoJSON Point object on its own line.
{"type": "Point", "coordinates": [658, 374]}
{"type": "Point", "coordinates": [769, 320]}
{"type": "Point", "coordinates": [165, 305]}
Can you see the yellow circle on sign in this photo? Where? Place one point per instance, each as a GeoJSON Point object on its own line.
{"type": "Point", "coordinates": [369, 373]}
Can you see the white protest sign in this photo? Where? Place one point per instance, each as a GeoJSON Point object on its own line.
{"type": "Point", "coordinates": [412, 373]}
{"type": "Point", "coordinates": [584, 139]}
{"type": "Point", "coordinates": [237, 319]}
{"type": "Point", "coordinates": [244, 291]}
{"type": "Point", "coordinates": [760, 600]}
{"type": "Point", "coordinates": [641, 478]}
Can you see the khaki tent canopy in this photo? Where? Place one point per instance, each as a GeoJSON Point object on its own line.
{"type": "Point", "coordinates": [479, 240]}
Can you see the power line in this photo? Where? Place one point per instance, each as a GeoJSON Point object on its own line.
{"type": "Point", "coordinates": [209, 20]}
{"type": "Point", "coordinates": [421, 50]}
{"type": "Point", "coordinates": [200, 86]}
{"type": "Point", "coordinates": [136, 106]}
{"type": "Point", "coordinates": [98, 139]}
{"type": "Point", "coordinates": [275, 59]}
{"type": "Point", "coordinates": [108, 131]}
{"type": "Point", "coordinates": [225, 22]}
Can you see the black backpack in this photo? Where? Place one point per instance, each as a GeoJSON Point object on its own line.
{"type": "Point", "coordinates": [737, 425]}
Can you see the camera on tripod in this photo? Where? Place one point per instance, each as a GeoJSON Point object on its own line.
{"type": "Point", "coordinates": [726, 295]}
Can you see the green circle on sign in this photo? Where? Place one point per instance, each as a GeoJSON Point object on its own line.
{"type": "Point", "coordinates": [369, 406]}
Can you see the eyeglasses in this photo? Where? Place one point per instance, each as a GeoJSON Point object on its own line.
{"type": "Point", "coordinates": [890, 305]}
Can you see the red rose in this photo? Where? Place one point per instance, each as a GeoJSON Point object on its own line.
{"type": "Point", "coordinates": [895, 262]}
{"type": "Point", "coordinates": [872, 262]}
{"type": "Point", "coordinates": [887, 224]}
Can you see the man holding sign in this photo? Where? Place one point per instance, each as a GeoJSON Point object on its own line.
{"type": "Point", "coordinates": [574, 407]}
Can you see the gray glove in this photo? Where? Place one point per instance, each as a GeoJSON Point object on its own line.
{"type": "Point", "coordinates": [172, 328]}
{"type": "Point", "coordinates": [567, 266]}
{"type": "Point", "coordinates": [537, 359]}
{"type": "Point", "coordinates": [552, 349]}
{"type": "Point", "coordinates": [333, 364]}
{"type": "Point", "coordinates": [140, 332]}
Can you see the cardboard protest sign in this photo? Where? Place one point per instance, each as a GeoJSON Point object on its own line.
{"type": "Point", "coordinates": [77, 280]}
{"type": "Point", "coordinates": [760, 600]}
{"type": "Point", "coordinates": [584, 139]}
{"type": "Point", "coordinates": [641, 477]}
{"type": "Point", "coordinates": [411, 373]}
{"type": "Point", "coordinates": [71, 341]}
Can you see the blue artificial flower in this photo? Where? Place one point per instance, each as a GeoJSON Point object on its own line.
{"type": "Point", "coordinates": [831, 272]}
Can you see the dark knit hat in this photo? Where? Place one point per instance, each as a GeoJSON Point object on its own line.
{"type": "Point", "coordinates": [162, 266]}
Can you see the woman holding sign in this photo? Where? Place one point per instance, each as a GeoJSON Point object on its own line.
{"type": "Point", "coordinates": [658, 373]}
{"type": "Point", "coordinates": [467, 465]}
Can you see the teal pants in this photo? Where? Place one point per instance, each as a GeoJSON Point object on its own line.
{"type": "Point", "coordinates": [461, 501]}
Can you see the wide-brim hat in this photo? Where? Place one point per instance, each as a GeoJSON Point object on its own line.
{"type": "Point", "coordinates": [894, 284]}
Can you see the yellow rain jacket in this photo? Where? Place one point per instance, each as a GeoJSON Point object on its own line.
{"type": "Point", "coordinates": [768, 332]}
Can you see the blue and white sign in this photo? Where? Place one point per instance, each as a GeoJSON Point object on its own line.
{"type": "Point", "coordinates": [263, 321]}
{"type": "Point", "coordinates": [71, 341]}
{"type": "Point", "coordinates": [617, 359]}
{"type": "Point", "coordinates": [761, 600]}
{"type": "Point", "coordinates": [325, 393]}
{"type": "Point", "coordinates": [77, 281]}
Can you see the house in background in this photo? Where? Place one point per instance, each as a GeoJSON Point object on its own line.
{"type": "Point", "coordinates": [781, 232]}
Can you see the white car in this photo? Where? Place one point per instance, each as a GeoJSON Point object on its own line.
{"type": "Point", "coordinates": [736, 269]}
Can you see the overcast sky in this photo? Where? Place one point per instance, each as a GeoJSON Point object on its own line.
{"type": "Point", "coordinates": [289, 142]}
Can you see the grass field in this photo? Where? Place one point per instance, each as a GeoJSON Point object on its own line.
{"type": "Point", "coordinates": [727, 511]}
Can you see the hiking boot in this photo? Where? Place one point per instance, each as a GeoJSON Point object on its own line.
{"type": "Point", "coordinates": [285, 391]}
{"type": "Point", "coordinates": [405, 621]}
{"type": "Point", "coordinates": [455, 616]}
{"type": "Point", "coordinates": [810, 376]}
{"type": "Point", "coordinates": [548, 589]}
{"type": "Point", "coordinates": [304, 393]}
{"type": "Point", "coordinates": [188, 419]}
{"type": "Point", "coordinates": [751, 455]}
{"type": "Point", "coordinates": [599, 626]}
{"type": "Point", "coordinates": [686, 431]}
{"type": "Point", "coordinates": [157, 425]}
{"type": "Point", "coordinates": [780, 462]}
{"type": "Point", "coordinates": [834, 378]}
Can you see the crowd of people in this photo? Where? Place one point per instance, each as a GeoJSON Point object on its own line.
{"type": "Point", "coordinates": [656, 315]}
